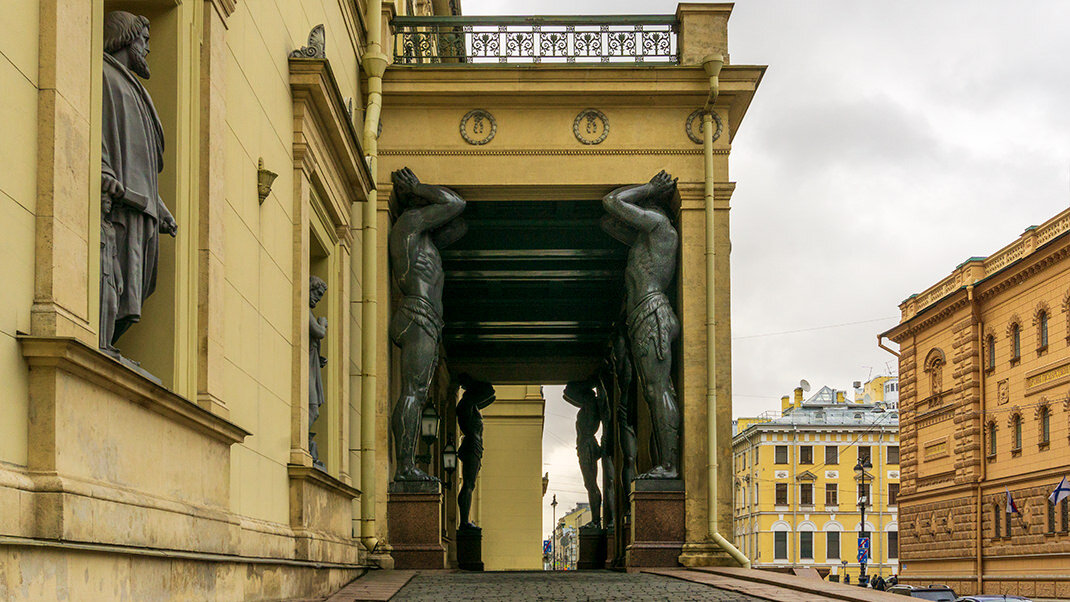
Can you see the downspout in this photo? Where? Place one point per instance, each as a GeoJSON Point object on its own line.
{"type": "Point", "coordinates": [712, 64]}
{"type": "Point", "coordinates": [374, 65]}
{"type": "Point", "coordinates": [975, 307]}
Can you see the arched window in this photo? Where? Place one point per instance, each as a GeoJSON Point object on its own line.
{"type": "Point", "coordinates": [934, 367]}
{"type": "Point", "coordinates": [1016, 342]}
{"type": "Point", "coordinates": [991, 352]}
{"type": "Point", "coordinates": [1042, 335]}
{"type": "Point", "coordinates": [1016, 429]}
{"type": "Point", "coordinates": [1045, 425]}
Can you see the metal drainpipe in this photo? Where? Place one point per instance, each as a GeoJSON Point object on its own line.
{"type": "Point", "coordinates": [975, 307]}
{"type": "Point", "coordinates": [374, 64]}
{"type": "Point", "coordinates": [712, 64]}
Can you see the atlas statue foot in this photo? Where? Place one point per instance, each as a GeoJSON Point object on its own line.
{"type": "Point", "coordinates": [414, 474]}
{"type": "Point", "coordinates": [660, 472]}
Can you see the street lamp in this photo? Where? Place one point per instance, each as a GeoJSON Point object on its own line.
{"type": "Point", "coordinates": [449, 460]}
{"type": "Point", "coordinates": [553, 534]}
{"type": "Point", "coordinates": [860, 471]}
{"type": "Point", "coordinates": [428, 431]}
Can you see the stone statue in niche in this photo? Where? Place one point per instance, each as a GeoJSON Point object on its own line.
{"type": "Point", "coordinates": [132, 213]}
{"type": "Point", "coordinates": [477, 395]}
{"type": "Point", "coordinates": [429, 221]}
{"type": "Point", "coordinates": [317, 329]}
{"type": "Point", "coordinates": [583, 395]}
{"type": "Point", "coordinates": [638, 216]}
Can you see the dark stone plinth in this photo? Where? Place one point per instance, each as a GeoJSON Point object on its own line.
{"type": "Point", "coordinates": [658, 529]}
{"type": "Point", "coordinates": [592, 548]}
{"type": "Point", "coordinates": [611, 546]}
{"type": "Point", "coordinates": [470, 549]}
{"type": "Point", "coordinates": [416, 530]}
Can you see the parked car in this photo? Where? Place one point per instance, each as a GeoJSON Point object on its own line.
{"type": "Point", "coordinates": [993, 598]}
{"type": "Point", "coordinates": [934, 593]}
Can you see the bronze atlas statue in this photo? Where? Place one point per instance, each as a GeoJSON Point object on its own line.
{"type": "Point", "coordinates": [429, 221]}
{"type": "Point", "coordinates": [638, 216]}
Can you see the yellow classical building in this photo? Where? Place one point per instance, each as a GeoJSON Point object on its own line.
{"type": "Point", "coordinates": [797, 493]}
{"type": "Point", "coordinates": [567, 536]}
{"type": "Point", "coordinates": [984, 362]}
{"type": "Point", "coordinates": [189, 475]}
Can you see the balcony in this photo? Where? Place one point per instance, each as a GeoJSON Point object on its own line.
{"type": "Point", "coordinates": [581, 40]}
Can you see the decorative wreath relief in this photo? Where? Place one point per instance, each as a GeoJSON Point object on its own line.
{"type": "Point", "coordinates": [695, 132]}
{"type": "Point", "coordinates": [478, 127]}
{"type": "Point", "coordinates": [591, 126]}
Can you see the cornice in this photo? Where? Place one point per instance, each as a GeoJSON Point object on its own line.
{"type": "Point", "coordinates": [225, 8]}
{"type": "Point", "coordinates": [321, 479]}
{"type": "Point", "coordinates": [542, 152]}
{"type": "Point", "coordinates": [1006, 278]}
{"type": "Point", "coordinates": [318, 108]}
{"type": "Point", "coordinates": [74, 357]}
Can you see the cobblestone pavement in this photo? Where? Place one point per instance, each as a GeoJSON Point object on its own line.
{"type": "Point", "coordinates": [560, 586]}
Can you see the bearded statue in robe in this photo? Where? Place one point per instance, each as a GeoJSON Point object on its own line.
{"type": "Point", "coordinates": [134, 215]}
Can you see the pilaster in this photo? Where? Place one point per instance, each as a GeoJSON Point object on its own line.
{"type": "Point", "coordinates": [68, 170]}
{"type": "Point", "coordinates": [210, 246]}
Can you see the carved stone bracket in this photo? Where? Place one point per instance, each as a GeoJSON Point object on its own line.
{"type": "Point", "coordinates": [317, 45]}
{"type": "Point", "coordinates": [695, 133]}
{"type": "Point", "coordinates": [591, 126]}
{"type": "Point", "coordinates": [479, 126]}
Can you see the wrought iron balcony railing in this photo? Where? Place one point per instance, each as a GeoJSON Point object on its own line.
{"type": "Point", "coordinates": [493, 40]}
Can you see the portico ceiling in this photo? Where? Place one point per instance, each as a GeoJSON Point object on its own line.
{"type": "Point", "coordinates": [532, 291]}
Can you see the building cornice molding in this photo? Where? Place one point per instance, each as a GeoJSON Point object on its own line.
{"type": "Point", "coordinates": [225, 8]}
{"type": "Point", "coordinates": [324, 134]}
{"type": "Point", "coordinates": [544, 152]}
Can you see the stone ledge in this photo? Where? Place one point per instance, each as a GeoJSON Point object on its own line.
{"type": "Point", "coordinates": [315, 475]}
{"type": "Point", "coordinates": [75, 357]}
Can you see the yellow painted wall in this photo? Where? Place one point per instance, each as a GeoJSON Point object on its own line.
{"type": "Point", "coordinates": [18, 202]}
{"type": "Point", "coordinates": [258, 240]}
{"type": "Point", "coordinates": [509, 490]}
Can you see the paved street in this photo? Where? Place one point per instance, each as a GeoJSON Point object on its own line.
{"type": "Point", "coordinates": [563, 586]}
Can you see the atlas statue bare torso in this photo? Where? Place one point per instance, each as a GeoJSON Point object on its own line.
{"type": "Point", "coordinates": [638, 216]}
{"type": "Point", "coordinates": [132, 213]}
{"type": "Point", "coordinates": [428, 222]}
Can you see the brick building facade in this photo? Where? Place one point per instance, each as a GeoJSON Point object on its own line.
{"type": "Point", "coordinates": [984, 375]}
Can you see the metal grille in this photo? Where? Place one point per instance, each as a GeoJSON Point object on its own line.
{"type": "Point", "coordinates": [495, 40]}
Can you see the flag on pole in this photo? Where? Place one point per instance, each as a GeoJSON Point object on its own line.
{"type": "Point", "coordinates": [1062, 491]}
{"type": "Point", "coordinates": [1012, 508]}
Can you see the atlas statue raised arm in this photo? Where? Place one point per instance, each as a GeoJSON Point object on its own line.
{"type": "Point", "coordinates": [638, 216]}
{"type": "Point", "coordinates": [428, 222]}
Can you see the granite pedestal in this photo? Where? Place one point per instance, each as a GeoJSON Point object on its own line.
{"type": "Point", "coordinates": [658, 529]}
{"type": "Point", "coordinates": [413, 514]}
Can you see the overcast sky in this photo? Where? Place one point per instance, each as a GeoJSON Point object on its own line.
{"type": "Point", "coordinates": [887, 143]}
